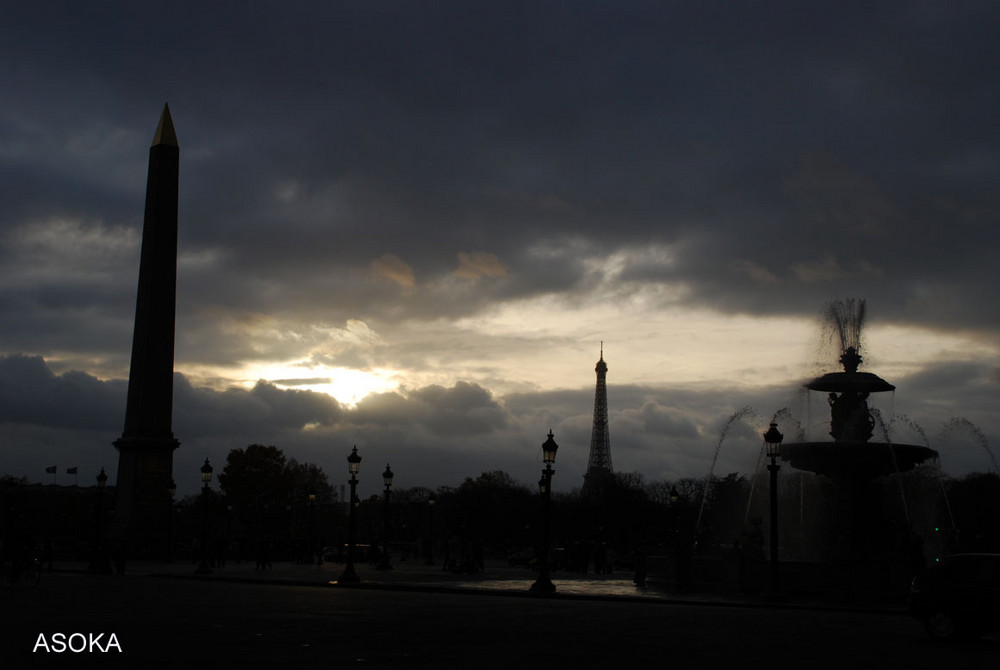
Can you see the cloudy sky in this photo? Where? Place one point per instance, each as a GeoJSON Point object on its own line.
{"type": "Point", "coordinates": [410, 225]}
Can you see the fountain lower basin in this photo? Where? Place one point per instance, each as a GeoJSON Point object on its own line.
{"type": "Point", "coordinates": [854, 459]}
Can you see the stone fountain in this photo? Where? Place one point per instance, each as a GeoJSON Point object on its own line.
{"type": "Point", "coordinates": [852, 455]}
{"type": "Point", "coordinates": [855, 465]}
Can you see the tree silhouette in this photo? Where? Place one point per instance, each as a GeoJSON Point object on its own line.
{"type": "Point", "coordinates": [266, 490]}
{"type": "Point", "coordinates": [491, 509]}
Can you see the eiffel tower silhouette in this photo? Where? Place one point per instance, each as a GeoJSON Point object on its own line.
{"type": "Point", "coordinates": [599, 469]}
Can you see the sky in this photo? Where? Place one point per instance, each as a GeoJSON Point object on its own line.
{"type": "Point", "coordinates": [409, 226]}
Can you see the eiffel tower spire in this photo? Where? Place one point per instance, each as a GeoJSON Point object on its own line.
{"type": "Point", "coordinates": [599, 464]}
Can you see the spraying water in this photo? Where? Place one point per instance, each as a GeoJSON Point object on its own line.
{"type": "Point", "coordinates": [753, 484]}
{"type": "Point", "coordinates": [742, 412]}
{"type": "Point", "coordinates": [877, 415]}
{"type": "Point", "coordinates": [944, 494]}
{"type": "Point", "coordinates": [961, 423]}
{"type": "Point", "coordinates": [783, 416]}
{"type": "Point", "coordinates": [845, 318]}
{"type": "Point", "coordinates": [916, 427]}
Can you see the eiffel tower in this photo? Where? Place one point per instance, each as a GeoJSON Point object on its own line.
{"type": "Point", "coordinates": [599, 469]}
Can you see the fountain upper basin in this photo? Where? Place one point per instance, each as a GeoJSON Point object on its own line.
{"type": "Point", "coordinates": [850, 382]}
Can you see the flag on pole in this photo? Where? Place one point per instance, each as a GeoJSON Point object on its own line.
{"type": "Point", "coordinates": [51, 470]}
{"type": "Point", "coordinates": [71, 471]}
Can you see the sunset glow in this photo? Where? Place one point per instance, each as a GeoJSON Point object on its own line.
{"type": "Point", "coordinates": [347, 386]}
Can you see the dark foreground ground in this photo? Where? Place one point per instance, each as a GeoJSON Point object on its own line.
{"type": "Point", "coordinates": [228, 621]}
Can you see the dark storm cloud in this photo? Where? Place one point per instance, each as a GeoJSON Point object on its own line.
{"type": "Point", "coordinates": [463, 410]}
{"type": "Point", "coordinates": [952, 388]}
{"type": "Point", "coordinates": [203, 412]}
{"type": "Point", "coordinates": [30, 393]}
{"type": "Point", "coordinates": [832, 149]}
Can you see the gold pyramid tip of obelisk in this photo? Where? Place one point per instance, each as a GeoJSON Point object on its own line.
{"type": "Point", "coordinates": [165, 130]}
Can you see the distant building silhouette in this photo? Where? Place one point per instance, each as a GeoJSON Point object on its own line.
{"type": "Point", "coordinates": [599, 470]}
{"type": "Point", "coordinates": [145, 461]}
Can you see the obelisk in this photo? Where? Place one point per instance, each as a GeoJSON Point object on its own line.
{"type": "Point", "coordinates": [145, 460]}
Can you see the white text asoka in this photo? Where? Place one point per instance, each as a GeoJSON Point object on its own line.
{"type": "Point", "coordinates": [77, 643]}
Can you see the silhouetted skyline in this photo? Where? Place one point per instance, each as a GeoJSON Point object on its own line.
{"type": "Point", "coordinates": [450, 206]}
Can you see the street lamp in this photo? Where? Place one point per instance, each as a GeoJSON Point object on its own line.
{"type": "Point", "coordinates": [430, 530]}
{"type": "Point", "coordinates": [549, 448]}
{"type": "Point", "coordinates": [772, 447]}
{"type": "Point", "coordinates": [350, 576]}
{"type": "Point", "coordinates": [206, 479]}
{"type": "Point", "coordinates": [383, 561]}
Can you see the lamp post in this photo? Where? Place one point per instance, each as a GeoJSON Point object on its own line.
{"type": "Point", "coordinates": [206, 479]}
{"type": "Point", "coordinates": [350, 576]}
{"type": "Point", "coordinates": [772, 446]}
{"type": "Point", "coordinates": [430, 530]}
{"type": "Point", "coordinates": [383, 561]}
{"type": "Point", "coordinates": [544, 584]}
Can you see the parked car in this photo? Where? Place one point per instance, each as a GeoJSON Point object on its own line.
{"type": "Point", "coordinates": [958, 596]}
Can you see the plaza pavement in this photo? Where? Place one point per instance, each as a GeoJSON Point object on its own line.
{"type": "Point", "coordinates": [499, 579]}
